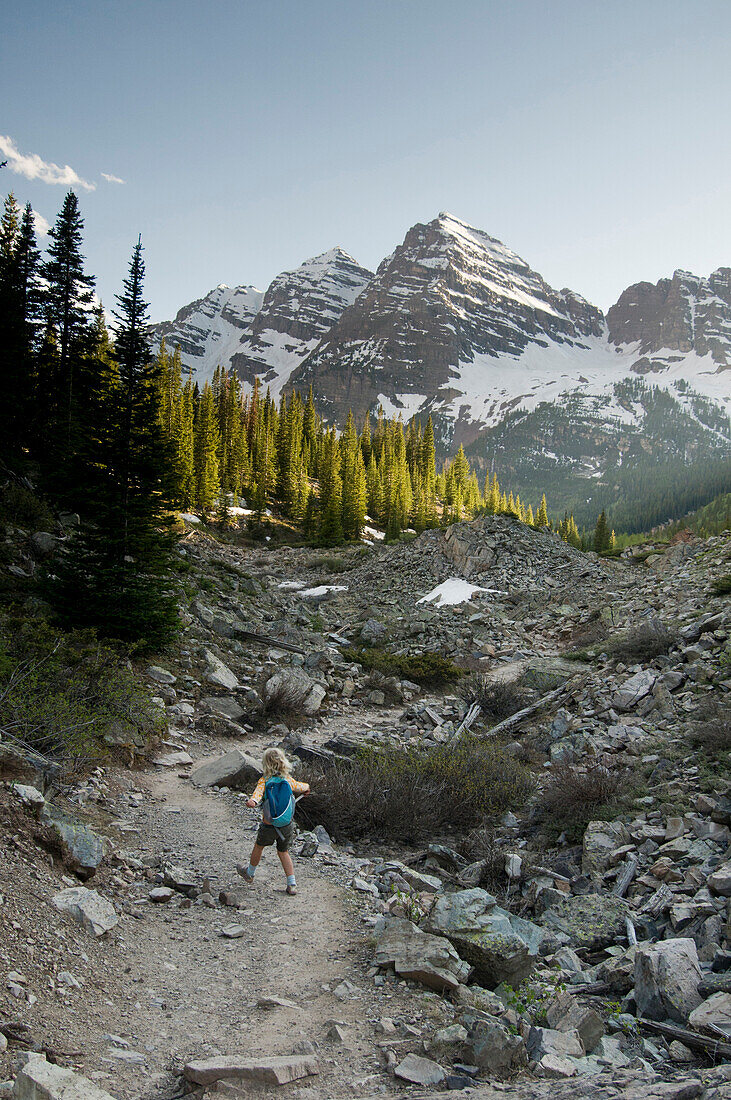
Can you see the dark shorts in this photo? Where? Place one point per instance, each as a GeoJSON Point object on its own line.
{"type": "Point", "coordinates": [281, 836]}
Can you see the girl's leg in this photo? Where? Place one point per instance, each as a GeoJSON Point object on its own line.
{"type": "Point", "coordinates": [247, 873]}
{"type": "Point", "coordinates": [288, 867]}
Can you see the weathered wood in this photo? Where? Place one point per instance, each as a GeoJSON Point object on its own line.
{"type": "Point", "coordinates": [691, 1038]}
{"type": "Point", "coordinates": [265, 639]}
{"type": "Point", "coordinates": [468, 719]}
{"type": "Point", "coordinates": [631, 934]}
{"type": "Point", "coordinates": [622, 884]}
{"type": "Point", "coordinates": [527, 712]}
{"type": "Point", "coordinates": [658, 901]}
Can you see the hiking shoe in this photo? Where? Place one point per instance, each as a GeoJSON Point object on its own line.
{"type": "Point", "coordinates": [244, 872]}
{"type": "Point", "coordinates": [291, 890]}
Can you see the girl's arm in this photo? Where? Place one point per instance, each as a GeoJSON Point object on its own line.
{"type": "Point", "coordinates": [298, 788]}
{"type": "Point", "coordinates": [257, 795]}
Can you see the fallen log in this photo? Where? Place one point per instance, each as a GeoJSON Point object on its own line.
{"type": "Point", "coordinates": [622, 884]}
{"type": "Point", "coordinates": [527, 712]}
{"type": "Point", "coordinates": [468, 719]}
{"type": "Point", "coordinates": [690, 1038]}
{"type": "Point", "coordinates": [265, 639]}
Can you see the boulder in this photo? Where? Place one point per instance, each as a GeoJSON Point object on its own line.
{"type": "Point", "coordinates": [81, 848]}
{"type": "Point", "coordinates": [713, 1016]}
{"type": "Point", "coordinates": [566, 1013]}
{"type": "Point", "coordinates": [500, 946]}
{"type": "Point", "coordinates": [667, 976]}
{"type": "Point", "coordinates": [601, 838]}
{"type": "Point", "coordinates": [234, 769]}
{"type": "Point", "coordinates": [419, 956]}
{"type": "Point", "coordinates": [42, 1080]}
{"type": "Point", "coordinates": [87, 908]}
{"type": "Point", "coordinates": [29, 795]}
{"type": "Point", "coordinates": [265, 1071]}
{"type": "Point", "coordinates": [419, 1071]}
{"type": "Point", "coordinates": [589, 921]}
{"type": "Point", "coordinates": [720, 881]}
{"type": "Point", "coordinates": [562, 1044]}
{"type": "Point", "coordinates": [295, 691]}
{"type": "Point", "coordinates": [544, 674]}
{"type": "Point", "coordinates": [223, 706]}
{"type": "Point", "coordinates": [492, 1047]}
{"type": "Point", "coordinates": [219, 674]}
{"type": "Point", "coordinates": [629, 693]}
{"type": "Point", "coordinates": [161, 675]}
{"type": "Point", "coordinates": [372, 632]}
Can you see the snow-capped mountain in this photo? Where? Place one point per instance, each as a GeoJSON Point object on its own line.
{"type": "Point", "coordinates": [454, 324]}
{"type": "Point", "coordinates": [298, 309]}
{"type": "Point", "coordinates": [209, 330]}
{"type": "Point", "coordinates": [265, 334]}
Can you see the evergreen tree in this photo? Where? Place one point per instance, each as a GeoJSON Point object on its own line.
{"type": "Point", "coordinates": [117, 577]}
{"type": "Point", "coordinates": [205, 451]}
{"type": "Point", "coordinates": [68, 300]}
{"type": "Point", "coordinates": [19, 326]}
{"type": "Point", "coordinates": [542, 517]}
{"type": "Point", "coordinates": [601, 534]}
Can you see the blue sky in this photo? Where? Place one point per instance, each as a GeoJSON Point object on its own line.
{"type": "Point", "coordinates": [592, 138]}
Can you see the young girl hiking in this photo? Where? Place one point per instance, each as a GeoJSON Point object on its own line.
{"type": "Point", "coordinates": [276, 792]}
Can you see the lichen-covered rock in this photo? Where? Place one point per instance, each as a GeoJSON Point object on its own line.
{"type": "Point", "coordinates": [500, 946]}
{"type": "Point", "coordinates": [590, 921]}
{"type": "Point", "coordinates": [601, 838]}
{"type": "Point", "coordinates": [414, 954]}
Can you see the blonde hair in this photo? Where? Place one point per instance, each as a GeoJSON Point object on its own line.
{"type": "Point", "coordinates": [274, 762]}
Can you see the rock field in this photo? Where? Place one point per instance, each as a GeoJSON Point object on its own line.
{"type": "Point", "coordinates": [595, 962]}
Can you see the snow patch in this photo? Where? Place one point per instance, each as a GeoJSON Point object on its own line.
{"type": "Point", "coordinates": [451, 592]}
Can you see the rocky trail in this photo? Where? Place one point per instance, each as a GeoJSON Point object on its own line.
{"type": "Point", "coordinates": [391, 970]}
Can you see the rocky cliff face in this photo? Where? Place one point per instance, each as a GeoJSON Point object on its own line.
{"type": "Point", "coordinates": [209, 330]}
{"type": "Point", "coordinates": [298, 309]}
{"type": "Point", "coordinates": [447, 297]}
{"type": "Point", "coordinates": [684, 314]}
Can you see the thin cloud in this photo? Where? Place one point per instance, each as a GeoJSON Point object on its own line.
{"type": "Point", "coordinates": [33, 167]}
{"type": "Point", "coordinates": [112, 179]}
{"type": "Point", "coordinates": [41, 225]}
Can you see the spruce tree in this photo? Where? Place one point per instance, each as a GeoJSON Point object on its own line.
{"type": "Point", "coordinates": [117, 576]}
{"type": "Point", "coordinates": [68, 301]}
{"type": "Point", "coordinates": [601, 534]}
{"type": "Point", "coordinates": [205, 451]}
{"type": "Point", "coordinates": [19, 327]}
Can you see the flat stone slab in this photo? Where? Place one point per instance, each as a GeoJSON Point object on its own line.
{"type": "Point", "coordinates": [42, 1080]}
{"type": "Point", "coordinates": [419, 1071]}
{"type": "Point", "coordinates": [173, 759]}
{"type": "Point", "coordinates": [266, 1071]}
{"type": "Point", "coordinates": [87, 908]}
{"type": "Point", "coordinates": [233, 768]}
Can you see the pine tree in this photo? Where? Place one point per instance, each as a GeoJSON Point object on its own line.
{"type": "Point", "coordinates": [68, 301]}
{"type": "Point", "coordinates": [19, 327]}
{"type": "Point", "coordinates": [601, 534]}
{"type": "Point", "coordinates": [118, 576]}
{"type": "Point", "coordinates": [205, 451]}
{"type": "Point", "coordinates": [331, 494]}
{"type": "Point", "coordinates": [542, 517]}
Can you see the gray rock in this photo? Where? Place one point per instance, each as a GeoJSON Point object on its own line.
{"type": "Point", "coordinates": [234, 769]}
{"type": "Point", "coordinates": [590, 921]}
{"type": "Point", "coordinates": [629, 693]}
{"type": "Point", "coordinates": [45, 543]}
{"type": "Point", "coordinates": [82, 849]}
{"type": "Point", "coordinates": [720, 880]}
{"type": "Point", "coordinates": [493, 1048]}
{"type": "Point", "coordinates": [667, 976]}
{"type": "Point", "coordinates": [419, 1071]}
{"type": "Point", "coordinates": [161, 894]}
{"type": "Point", "coordinates": [42, 1080]}
{"type": "Point", "coordinates": [500, 946]}
{"type": "Point", "coordinates": [713, 1016]}
{"type": "Point", "coordinates": [224, 706]}
{"type": "Point", "coordinates": [265, 1071]}
{"type": "Point", "coordinates": [543, 674]}
{"type": "Point", "coordinates": [161, 675]}
{"type": "Point", "coordinates": [87, 908]}
{"type": "Point", "coordinates": [601, 838]}
{"type": "Point", "coordinates": [179, 759]}
{"type": "Point", "coordinates": [28, 795]}
{"type": "Point", "coordinates": [179, 878]}
{"type": "Point", "coordinates": [419, 956]}
{"type": "Point", "coordinates": [298, 691]}
{"type": "Point", "coordinates": [563, 1044]}
{"type": "Point", "coordinates": [566, 1013]}
{"type": "Point", "coordinates": [218, 673]}
{"type": "Point", "coordinates": [372, 632]}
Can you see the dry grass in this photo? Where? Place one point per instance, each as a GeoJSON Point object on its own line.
{"type": "Point", "coordinates": [497, 699]}
{"type": "Point", "coordinates": [573, 796]}
{"type": "Point", "coordinates": [642, 643]}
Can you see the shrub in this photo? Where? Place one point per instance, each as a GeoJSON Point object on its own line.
{"type": "Point", "coordinates": [573, 796]}
{"type": "Point", "coordinates": [407, 794]}
{"type": "Point", "coordinates": [644, 642]}
{"type": "Point", "coordinates": [497, 699]}
{"type": "Point", "coordinates": [283, 699]}
{"type": "Point", "coordinates": [423, 668]}
{"type": "Point", "coordinates": [21, 507]}
{"type": "Point", "coordinates": [711, 732]}
{"type": "Point", "coordinates": [330, 563]}
{"type": "Point", "coordinates": [722, 585]}
{"type": "Point", "coordinates": [60, 693]}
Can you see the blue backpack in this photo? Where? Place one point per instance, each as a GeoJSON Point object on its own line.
{"type": "Point", "coordinates": [279, 801]}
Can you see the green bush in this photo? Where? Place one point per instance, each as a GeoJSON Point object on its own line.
{"type": "Point", "coordinates": [497, 699]}
{"type": "Point", "coordinates": [711, 732]}
{"type": "Point", "coordinates": [423, 668]}
{"type": "Point", "coordinates": [21, 507]}
{"type": "Point", "coordinates": [642, 643]}
{"type": "Point", "coordinates": [330, 563]}
{"type": "Point", "coordinates": [573, 796]}
{"type": "Point", "coordinates": [61, 693]}
{"type": "Point", "coordinates": [722, 585]}
{"type": "Point", "coordinates": [408, 794]}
